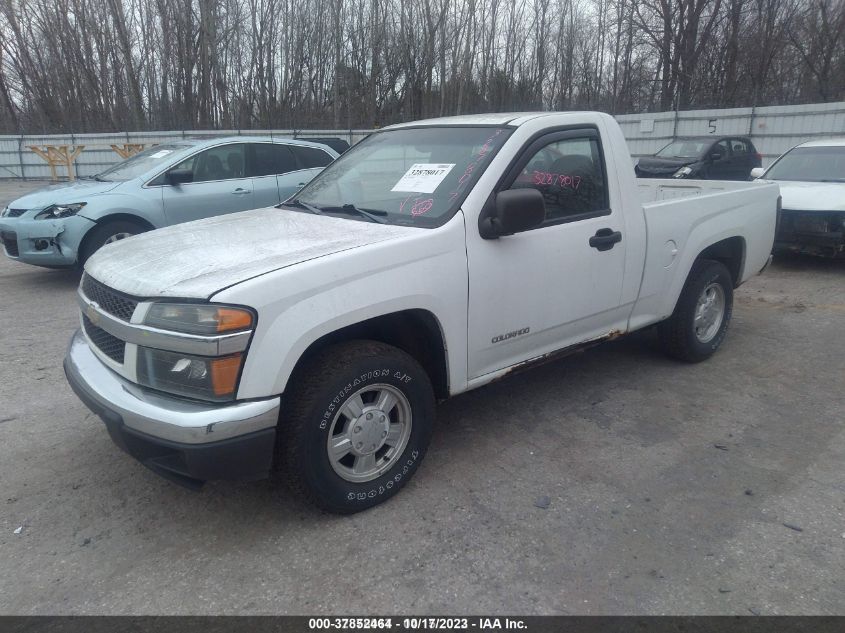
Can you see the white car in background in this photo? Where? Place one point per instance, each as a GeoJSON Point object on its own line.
{"type": "Point", "coordinates": [812, 187]}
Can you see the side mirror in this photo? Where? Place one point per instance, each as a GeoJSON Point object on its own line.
{"type": "Point", "coordinates": [758, 172]}
{"type": "Point", "coordinates": [179, 176]}
{"type": "Point", "coordinates": [514, 210]}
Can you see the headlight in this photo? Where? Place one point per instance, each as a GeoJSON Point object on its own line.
{"type": "Point", "coordinates": [57, 211]}
{"type": "Point", "coordinates": [4, 211]}
{"type": "Point", "coordinates": [198, 318]}
{"type": "Point", "coordinates": [191, 376]}
{"type": "Point", "coordinates": [204, 377]}
{"type": "Point", "coordinates": [683, 172]}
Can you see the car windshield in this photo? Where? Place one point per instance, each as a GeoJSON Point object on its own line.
{"type": "Point", "coordinates": [684, 149]}
{"type": "Point", "coordinates": [411, 177]}
{"type": "Point", "coordinates": [810, 164]}
{"type": "Point", "coordinates": [139, 163]}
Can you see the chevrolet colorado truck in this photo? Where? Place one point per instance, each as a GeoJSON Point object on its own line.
{"type": "Point", "coordinates": [314, 338]}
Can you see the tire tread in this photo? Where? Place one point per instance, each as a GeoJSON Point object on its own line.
{"type": "Point", "coordinates": [301, 400]}
{"type": "Point", "coordinates": [674, 332]}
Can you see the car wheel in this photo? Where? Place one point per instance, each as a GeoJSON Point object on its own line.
{"type": "Point", "coordinates": [107, 233]}
{"type": "Point", "coordinates": [356, 424]}
{"type": "Point", "coordinates": [700, 322]}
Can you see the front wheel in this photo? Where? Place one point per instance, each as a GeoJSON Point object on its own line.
{"type": "Point", "coordinates": [700, 322]}
{"type": "Point", "coordinates": [359, 417]}
{"type": "Point", "coordinates": [107, 233]}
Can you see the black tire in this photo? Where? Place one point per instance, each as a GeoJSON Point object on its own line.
{"type": "Point", "coordinates": [318, 392]}
{"type": "Point", "coordinates": [100, 234]}
{"type": "Point", "coordinates": [677, 334]}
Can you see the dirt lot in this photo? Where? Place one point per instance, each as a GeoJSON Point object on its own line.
{"type": "Point", "coordinates": [693, 489]}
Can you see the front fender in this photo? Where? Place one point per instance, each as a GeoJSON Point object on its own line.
{"type": "Point", "coordinates": [302, 303]}
{"type": "Point", "coordinates": [147, 208]}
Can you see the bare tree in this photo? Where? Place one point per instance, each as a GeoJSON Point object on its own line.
{"type": "Point", "coordinates": [96, 65]}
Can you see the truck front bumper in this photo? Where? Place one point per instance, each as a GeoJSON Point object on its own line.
{"type": "Point", "coordinates": [185, 441]}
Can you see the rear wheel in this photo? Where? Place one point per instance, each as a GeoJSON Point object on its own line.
{"type": "Point", "coordinates": [107, 233]}
{"type": "Point", "coordinates": [700, 322]}
{"type": "Point", "coordinates": [358, 420]}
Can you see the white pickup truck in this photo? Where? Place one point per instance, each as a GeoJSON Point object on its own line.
{"type": "Point", "coordinates": [430, 259]}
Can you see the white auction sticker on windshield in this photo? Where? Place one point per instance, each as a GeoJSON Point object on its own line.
{"type": "Point", "coordinates": [161, 153]}
{"type": "Point", "coordinates": [423, 177]}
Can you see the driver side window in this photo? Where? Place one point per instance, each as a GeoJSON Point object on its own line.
{"type": "Point", "coordinates": [570, 176]}
{"type": "Point", "coordinates": [723, 147]}
{"type": "Point", "coordinates": [224, 162]}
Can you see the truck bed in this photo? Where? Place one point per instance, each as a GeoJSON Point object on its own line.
{"type": "Point", "coordinates": [655, 190]}
{"type": "Point", "coordinates": [682, 217]}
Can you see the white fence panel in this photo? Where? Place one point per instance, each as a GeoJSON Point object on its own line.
{"type": "Point", "coordinates": [17, 161]}
{"type": "Point", "coordinates": [773, 129]}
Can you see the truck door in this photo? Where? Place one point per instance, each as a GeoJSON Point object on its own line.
{"type": "Point", "coordinates": [556, 285]}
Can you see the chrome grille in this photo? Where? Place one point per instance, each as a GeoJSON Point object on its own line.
{"type": "Point", "coordinates": [108, 344]}
{"type": "Point", "coordinates": [115, 303]}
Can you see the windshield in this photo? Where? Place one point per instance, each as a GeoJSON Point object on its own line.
{"type": "Point", "coordinates": [684, 149]}
{"type": "Point", "coordinates": [412, 177]}
{"type": "Point", "coordinates": [810, 164]}
{"type": "Point", "coordinates": [139, 163]}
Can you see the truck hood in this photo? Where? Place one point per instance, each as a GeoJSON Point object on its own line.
{"type": "Point", "coordinates": [64, 193]}
{"type": "Point", "coordinates": [198, 259]}
{"type": "Point", "coordinates": [812, 196]}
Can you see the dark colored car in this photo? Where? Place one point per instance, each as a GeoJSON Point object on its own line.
{"type": "Point", "coordinates": [705, 158]}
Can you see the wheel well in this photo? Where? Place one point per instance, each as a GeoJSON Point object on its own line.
{"type": "Point", "coordinates": [115, 217]}
{"type": "Point", "coordinates": [125, 217]}
{"type": "Point", "coordinates": [730, 252]}
{"type": "Point", "coordinates": [416, 332]}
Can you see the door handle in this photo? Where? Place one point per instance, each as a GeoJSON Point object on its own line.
{"type": "Point", "coordinates": [604, 239]}
{"type": "Point", "coordinates": [241, 191]}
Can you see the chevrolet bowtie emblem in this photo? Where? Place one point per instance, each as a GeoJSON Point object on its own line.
{"type": "Point", "coordinates": [91, 312]}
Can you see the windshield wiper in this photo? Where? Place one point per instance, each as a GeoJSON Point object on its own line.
{"type": "Point", "coordinates": [374, 215]}
{"type": "Point", "coordinates": [301, 205]}
{"type": "Point", "coordinates": [99, 178]}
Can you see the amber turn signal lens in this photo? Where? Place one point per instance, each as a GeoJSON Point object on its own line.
{"type": "Point", "coordinates": [224, 374]}
{"type": "Point", "coordinates": [232, 319]}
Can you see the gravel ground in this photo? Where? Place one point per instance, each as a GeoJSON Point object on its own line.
{"type": "Point", "coordinates": [715, 488]}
